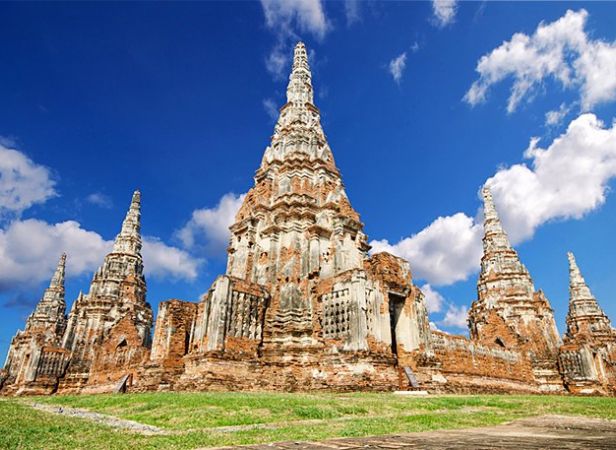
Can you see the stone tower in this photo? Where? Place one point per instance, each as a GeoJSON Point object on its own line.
{"type": "Point", "coordinates": [117, 290]}
{"type": "Point", "coordinates": [508, 311]}
{"type": "Point", "coordinates": [588, 356]}
{"type": "Point", "coordinates": [585, 319]}
{"type": "Point", "coordinates": [299, 283]}
{"type": "Point", "coordinates": [43, 330]}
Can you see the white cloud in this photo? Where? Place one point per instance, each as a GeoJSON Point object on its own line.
{"type": "Point", "coordinates": [208, 228]}
{"type": "Point", "coordinates": [434, 300]}
{"type": "Point", "coordinates": [560, 50]}
{"type": "Point", "coordinates": [308, 15]}
{"type": "Point", "coordinates": [446, 251]}
{"type": "Point", "coordinates": [555, 117]}
{"type": "Point", "coordinates": [23, 183]}
{"type": "Point", "coordinates": [352, 11]}
{"type": "Point", "coordinates": [567, 179]}
{"type": "Point", "coordinates": [286, 18]}
{"type": "Point", "coordinates": [29, 251]}
{"type": "Point", "coordinates": [161, 260]}
{"type": "Point", "coordinates": [444, 11]}
{"type": "Point", "coordinates": [100, 199]}
{"type": "Point", "coordinates": [397, 66]}
{"type": "Point", "coordinates": [455, 317]}
{"type": "Point", "coordinates": [270, 108]}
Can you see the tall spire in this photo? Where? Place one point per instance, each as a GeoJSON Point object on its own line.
{"type": "Point", "coordinates": [129, 239]}
{"type": "Point", "coordinates": [299, 90]}
{"type": "Point", "coordinates": [298, 131]}
{"type": "Point", "coordinates": [495, 237]}
{"type": "Point", "coordinates": [50, 310]}
{"type": "Point", "coordinates": [581, 300]}
{"type": "Point", "coordinates": [57, 281]}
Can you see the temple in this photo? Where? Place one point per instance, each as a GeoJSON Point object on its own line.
{"type": "Point", "coordinates": [36, 358]}
{"type": "Point", "coordinates": [588, 356]}
{"type": "Point", "coordinates": [509, 312]}
{"type": "Point", "coordinates": [303, 305]}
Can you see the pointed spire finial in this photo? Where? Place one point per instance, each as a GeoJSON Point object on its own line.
{"type": "Point", "coordinates": [300, 57]}
{"type": "Point", "coordinates": [129, 239]}
{"type": "Point", "coordinates": [494, 234]}
{"type": "Point", "coordinates": [488, 204]}
{"type": "Point", "coordinates": [299, 90]}
{"type": "Point", "coordinates": [585, 316]}
{"type": "Point", "coordinates": [575, 276]}
{"type": "Point", "coordinates": [578, 289]}
{"type": "Point", "coordinates": [57, 281]}
{"type": "Point", "coordinates": [136, 197]}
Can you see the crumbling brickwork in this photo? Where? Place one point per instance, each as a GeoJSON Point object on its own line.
{"type": "Point", "coordinates": [588, 355]}
{"type": "Point", "coordinates": [303, 306]}
{"type": "Point", "coordinates": [35, 360]}
{"type": "Point", "coordinates": [508, 311]}
{"type": "Point", "coordinates": [300, 293]}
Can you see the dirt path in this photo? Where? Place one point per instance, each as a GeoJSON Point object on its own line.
{"type": "Point", "coordinates": [536, 433]}
{"type": "Point", "coordinates": [104, 419]}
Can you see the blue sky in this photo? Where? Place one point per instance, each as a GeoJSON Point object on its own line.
{"type": "Point", "coordinates": [422, 103]}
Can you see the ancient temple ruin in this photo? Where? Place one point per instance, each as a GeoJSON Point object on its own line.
{"type": "Point", "coordinates": [36, 358]}
{"type": "Point", "coordinates": [303, 305]}
{"type": "Point", "coordinates": [588, 356]}
{"type": "Point", "coordinates": [509, 312]}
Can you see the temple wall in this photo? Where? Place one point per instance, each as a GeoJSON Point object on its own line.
{"type": "Point", "coordinates": [588, 368]}
{"type": "Point", "coordinates": [120, 356]}
{"type": "Point", "coordinates": [469, 366]}
{"type": "Point", "coordinates": [173, 331]}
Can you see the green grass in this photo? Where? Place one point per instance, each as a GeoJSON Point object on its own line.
{"type": "Point", "coordinates": [195, 418]}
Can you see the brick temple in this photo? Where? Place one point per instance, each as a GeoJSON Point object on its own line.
{"type": "Point", "coordinates": [303, 305]}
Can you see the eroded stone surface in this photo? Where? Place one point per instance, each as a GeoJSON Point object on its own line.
{"type": "Point", "coordinates": [303, 306]}
{"type": "Point", "coordinates": [588, 355]}
{"type": "Point", "coordinates": [35, 358]}
{"type": "Point", "coordinates": [509, 312]}
{"type": "Point", "coordinates": [109, 328]}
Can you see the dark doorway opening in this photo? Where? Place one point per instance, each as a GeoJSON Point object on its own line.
{"type": "Point", "coordinates": [396, 303]}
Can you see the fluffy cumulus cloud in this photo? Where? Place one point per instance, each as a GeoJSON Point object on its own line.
{"type": "Point", "coordinates": [566, 179]}
{"type": "Point", "coordinates": [288, 18]}
{"type": "Point", "coordinates": [397, 66]}
{"type": "Point", "coordinates": [434, 300]}
{"type": "Point", "coordinates": [444, 11]}
{"type": "Point", "coordinates": [30, 248]}
{"type": "Point", "coordinates": [29, 252]}
{"type": "Point", "coordinates": [23, 183]}
{"type": "Point", "coordinates": [208, 229]}
{"type": "Point", "coordinates": [161, 260]}
{"type": "Point", "coordinates": [455, 317]}
{"type": "Point", "coordinates": [526, 196]}
{"type": "Point", "coordinates": [561, 51]}
{"type": "Point", "coordinates": [446, 251]}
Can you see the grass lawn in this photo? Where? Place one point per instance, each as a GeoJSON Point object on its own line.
{"type": "Point", "coordinates": [195, 419]}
